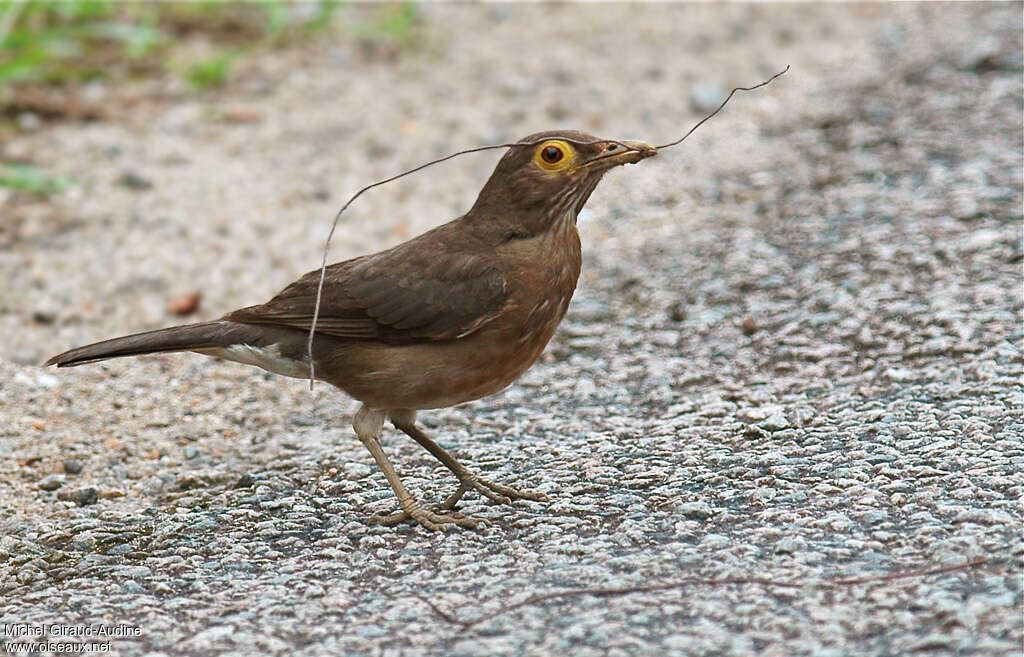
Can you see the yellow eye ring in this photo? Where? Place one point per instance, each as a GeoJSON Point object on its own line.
{"type": "Point", "coordinates": [554, 155]}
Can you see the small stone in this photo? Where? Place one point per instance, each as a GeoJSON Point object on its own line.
{"type": "Point", "coordinates": [134, 181]}
{"type": "Point", "coordinates": [790, 545]}
{"type": "Point", "coordinates": [749, 326]}
{"type": "Point", "coordinates": [699, 510]}
{"type": "Point", "coordinates": [964, 205]}
{"type": "Point", "coordinates": [715, 542]}
{"type": "Point", "coordinates": [203, 525]}
{"type": "Point", "coordinates": [585, 387]}
{"type": "Point", "coordinates": [677, 312]}
{"type": "Point", "coordinates": [775, 422]}
{"type": "Point", "coordinates": [72, 466]}
{"type": "Point", "coordinates": [899, 374]}
{"type": "Point", "coordinates": [44, 315]}
{"type": "Point", "coordinates": [83, 542]}
{"type": "Point", "coordinates": [982, 55]}
{"type": "Point", "coordinates": [803, 416]}
{"type": "Point", "coordinates": [191, 452]}
{"type": "Point", "coordinates": [132, 587]}
{"type": "Point", "coordinates": [303, 420]}
{"type": "Point", "coordinates": [185, 305]}
{"type": "Point", "coordinates": [154, 485]}
{"type": "Point", "coordinates": [706, 96]}
{"type": "Point", "coordinates": [8, 546]}
{"type": "Point", "coordinates": [874, 517]}
{"type": "Point", "coordinates": [80, 496]}
{"type": "Point", "coordinates": [755, 432]}
{"type": "Point", "coordinates": [981, 240]}
{"type": "Point", "coordinates": [755, 414]}
{"type": "Point", "coordinates": [29, 121]}
{"type": "Point", "coordinates": [44, 380]}
{"type": "Point", "coordinates": [53, 482]}
{"type": "Point", "coordinates": [245, 481]}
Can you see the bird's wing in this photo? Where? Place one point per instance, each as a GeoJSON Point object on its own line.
{"type": "Point", "coordinates": [417, 291]}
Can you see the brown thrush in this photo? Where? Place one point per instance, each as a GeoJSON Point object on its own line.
{"type": "Point", "coordinates": [453, 315]}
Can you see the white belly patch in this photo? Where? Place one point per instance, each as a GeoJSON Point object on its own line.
{"type": "Point", "coordinates": [269, 358]}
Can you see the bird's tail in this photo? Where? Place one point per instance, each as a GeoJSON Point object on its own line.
{"type": "Point", "coordinates": [204, 335]}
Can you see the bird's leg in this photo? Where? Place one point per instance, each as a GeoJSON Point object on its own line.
{"type": "Point", "coordinates": [368, 423]}
{"type": "Point", "coordinates": [498, 493]}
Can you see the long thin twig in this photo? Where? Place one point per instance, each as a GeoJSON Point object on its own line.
{"type": "Point", "coordinates": [697, 581]}
{"type": "Point", "coordinates": [720, 107]}
{"type": "Point", "coordinates": [334, 224]}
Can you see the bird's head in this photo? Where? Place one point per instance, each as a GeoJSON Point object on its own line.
{"type": "Point", "coordinates": [546, 178]}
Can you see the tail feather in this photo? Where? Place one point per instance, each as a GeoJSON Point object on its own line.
{"type": "Point", "coordinates": [177, 338]}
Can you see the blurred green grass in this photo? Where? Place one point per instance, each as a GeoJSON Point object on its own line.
{"type": "Point", "coordinates": [61, 44]}
{"type": "Point", "coordinates": [25, 178]}
{"type": "Point", "coordinates": [54, 42]}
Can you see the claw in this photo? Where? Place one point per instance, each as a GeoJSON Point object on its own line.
{"type": "Point", "coordinates": [496, 493]}
{"type": "Point", "coordinates": [427, 518]}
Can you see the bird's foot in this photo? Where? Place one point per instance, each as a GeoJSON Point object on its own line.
{"type": "Point", "coordinates": [496, 493]}
{"type": "Point", "coordinates": [432, 520]}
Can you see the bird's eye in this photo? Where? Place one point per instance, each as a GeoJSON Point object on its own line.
{"type": "Point", "coordinates": [552, 154]}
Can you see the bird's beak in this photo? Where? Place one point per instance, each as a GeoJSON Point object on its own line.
{"type": "Point", "coordinates": [623, 151]}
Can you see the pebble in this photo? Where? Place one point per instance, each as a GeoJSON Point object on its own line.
{"type": "Point", "coordinates": [245, 481]}
{"type": "Point", "coordinates": [83, 542]}
{"type": "Point", "coordinates": [51, 482]}
{"type": "Point", "coordinates": [696, 510]}
{"type": "Point", "coordinates": [775, 422]}
{"type": "Point", "coordinates": [706, 96]}
{"type": "Point", "coordinates": [134, 181]}
{"type": "Point", "coordinates": [132, 587]}
{"type": "Point", "coordinates": [790, 545]}
{"type": "Point", "coordinates": [982, 239]}
{"type": "Point", "coordinates": [983, 53]}
{"type": "Point", "coordinates": [304, 420]}
{"type": "Point", "coordinates": [80, 496]}
{"type": "Point", "coordinates": [44, 315]}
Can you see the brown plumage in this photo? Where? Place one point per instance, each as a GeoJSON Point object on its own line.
{"type": "Point", "coordinates": [452, 315]}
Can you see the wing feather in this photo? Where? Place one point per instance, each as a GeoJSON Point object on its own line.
{"type": "Point", "coordinates": [435, 287]}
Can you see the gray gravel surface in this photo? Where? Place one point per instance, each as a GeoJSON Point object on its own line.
{"type": "Point", "coordinates": [795, 353]}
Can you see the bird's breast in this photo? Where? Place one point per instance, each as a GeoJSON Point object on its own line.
{"type": "Point", "coordinates": [542, 278]}
{"type": "Point", "coordinates": [545, 272]}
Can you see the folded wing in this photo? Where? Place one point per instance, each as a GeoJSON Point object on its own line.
{"type": "Point", "coordinates": [419, 291]}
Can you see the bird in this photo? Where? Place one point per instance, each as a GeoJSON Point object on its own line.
{"type": "Point", "coordinates": [455, 314]}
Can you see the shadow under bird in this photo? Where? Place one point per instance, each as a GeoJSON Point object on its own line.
{"type": "Point", "coordinates": [455, 314]}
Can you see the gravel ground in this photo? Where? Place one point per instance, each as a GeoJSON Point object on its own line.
{"type": "Point", "coordinates": [796, 351]}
